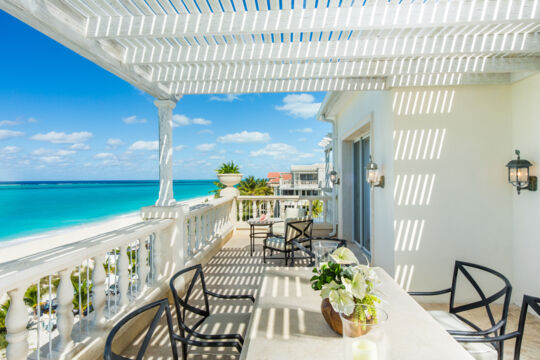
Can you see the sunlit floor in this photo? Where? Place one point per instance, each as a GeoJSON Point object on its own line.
{"type": "Point", "coordinates": [234, 271]}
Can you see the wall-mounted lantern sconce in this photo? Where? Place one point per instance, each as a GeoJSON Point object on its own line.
{"type": "Point", "coordinates": [334, 179]}
{"type": "Point", "coordinates": [372, 174]}
{"type": "Point", "coordinates": [518, 174]}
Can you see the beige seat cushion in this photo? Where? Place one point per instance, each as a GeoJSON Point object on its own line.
{"type": "Point", "coordinates": [480, 351]}
{"type": "Point", "coordinates": [276, 243]}
{"type": "Point", "coordinates": [290, 214]}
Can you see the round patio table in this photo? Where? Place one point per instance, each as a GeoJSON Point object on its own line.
{"type": "Point", "coordinates": [255, 233]}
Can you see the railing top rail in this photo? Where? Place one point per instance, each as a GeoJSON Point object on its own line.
{"type": "Point", "coordinates": [204, 207]}
{"type": "Point", "coordinates": [284, 197]}
{"type": "Point", "coordinates": [26, 270]}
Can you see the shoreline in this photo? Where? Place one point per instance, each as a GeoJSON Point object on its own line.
{"type": "Point", "coordinates": [31, 244]}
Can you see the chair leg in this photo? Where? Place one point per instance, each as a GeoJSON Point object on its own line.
{"type": "Point", "coordinates": [264, 255]}
{"type": "Point", "coordinates": [184, 351]}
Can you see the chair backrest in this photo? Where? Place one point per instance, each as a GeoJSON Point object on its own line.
{"type": "Point", "coordinates": [183, 305]}
{"type": "Point", "coordinates": [162, 307]}
{"type": "Point", "coordinates": [299, 230]}
{"type": "Point", "coordinates": [294, 213]}
{"type": "Point", "coordinates": [528, 302]}
{"type": "Point", "coordinates": [486, 301]}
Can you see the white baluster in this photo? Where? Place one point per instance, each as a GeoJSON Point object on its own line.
{"type": "Point", "coordinates": [16, 321]}
{"type": "Point", "coordinates": [98, 292]}
{"type": "Point", "coordinates": [187, 249]}
{"type": "Point", "coordinates": [325, 211]}
{"type": "Point", "coordinates": [192, 240]}
{"type": "Point", "coordinates": [200, 235]}
{"type": "Point", "coordinates": [143, 266]}
{"type": "Point", "coordinates": [156, 251]}
{"type": "Point", "coordinates": [282, 209]}
{"type": "Point", "coordinates": [64, 312]}
{"type": "Point", "coordinates": [241, 210]}
{"type": "Point", "coordinates": [123, 275]}
{"type": "Point", "coordinates": [234, 212]}
{"type": "Point", "coordinates": [254, 204]}
{"type": "Point", "coordinates": [310, 208]}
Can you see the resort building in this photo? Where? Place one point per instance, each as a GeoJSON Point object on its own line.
{"type": "Point", "coordinates": [303, 180]}
{"type": "Point", "coordinates": [428, 101]}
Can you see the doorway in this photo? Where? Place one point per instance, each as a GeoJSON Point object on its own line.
{"type": "Point", "coordinates": [361, 194]}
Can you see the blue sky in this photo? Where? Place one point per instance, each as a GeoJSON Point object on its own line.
{"type": "Point", "coordinates": [64, 118]}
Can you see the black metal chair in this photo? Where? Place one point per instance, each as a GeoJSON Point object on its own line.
{"type": "Point", "coordinates": [298, 236]}
{"type": "Point", "coordinates": [163, 307]}
{"type": "Point", "coordinates": [528, 301]}
{"type": "Point", "coordinates": [189, 334]}
{"type": "Point", "coordinates": [463, 333]}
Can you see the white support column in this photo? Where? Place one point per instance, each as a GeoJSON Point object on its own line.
{"type": "Point", "coordinates": [143, 265]}
{"type": "Point", "coordinates": [123, 275]}
{"type": "Point", "coordinates": [165, 109]}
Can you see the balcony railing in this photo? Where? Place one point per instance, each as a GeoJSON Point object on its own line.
{"type": "Point", "coordinates": [317, 207]}
{"type": "Point", "coordinates": [64, 301]}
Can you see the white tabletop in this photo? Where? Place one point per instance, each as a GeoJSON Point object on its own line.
{"type": "Point", "coordinates": [287, 323]}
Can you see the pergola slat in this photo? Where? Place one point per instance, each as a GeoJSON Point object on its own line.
{"type": "Point", "coordinates": [173, 47]}
{"type": "Point", "coordinates": [438, 45]}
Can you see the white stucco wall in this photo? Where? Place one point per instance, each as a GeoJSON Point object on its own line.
{"type": "Point", "coordinates": [464, 213]}
{"type": "Point", "coordinates": [354, 112]}
{"type": "Point", "coordinates": [526, 219]}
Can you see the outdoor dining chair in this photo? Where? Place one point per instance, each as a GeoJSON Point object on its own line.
{"type": "Point", "coordinates": [528, 301]}
{"type": "Point", "coordinates": [298, 236]}
{"type": "Point", "coordinates": [203, 333]}
{"type": "Point", "coordinates": [481, 344]}
{"type": "Point", "coordinates": [162, 307]}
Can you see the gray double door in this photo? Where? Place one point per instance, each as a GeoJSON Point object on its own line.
{"type": "Point", "coordinates": [361, 193]}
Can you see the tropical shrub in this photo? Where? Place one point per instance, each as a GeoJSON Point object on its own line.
{"type": "Point", "coordinates": [228, 168]}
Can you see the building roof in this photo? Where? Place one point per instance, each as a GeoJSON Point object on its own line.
{"type": "Point", "coordinates": [169, 48]}
{"type": "Point", "coordinates": [313, 167]}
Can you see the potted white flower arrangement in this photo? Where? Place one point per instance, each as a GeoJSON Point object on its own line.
{"type": "Point", "coordinates": [347, 288]}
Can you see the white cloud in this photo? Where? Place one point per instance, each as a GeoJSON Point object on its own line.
{"type": "Point", "coordinates": [183, 120]}
{"type": "Point", "coordinates": [6, 134]}
{"type": "Point", "coordinates": [10, 150]}
{"type": "Point", "coordinates": [216, 157]}
{"type": "Point", "coordinates": [17, 122]}
{"type": "Point", "coordinates": [303, 130]}
{"type": "Point", "coordinates": [280, 151]}
{"type": "Point", "coordinates": [63, 138]}
{"type": "Point", "coordinates": [104, 156]}
{"type": "Point", "coordinates": [80, 146]}
{"type": "Point", "coordinates": [51, 159]}
{"type": "Point", "coordinates": [302, 139]}
{"type": "Point", "coordinates": [113, 143]}
{"type": "Point", "coordinates": [206, 131]}
{"type": "Point", "coordinates": [133, 120]}
{"type": "Point", "coordinates": [201, 121]}
{"type": "Point", "coordinates": [225, 98]}
{"type": "Point", "coordinates": [144, 145]}
{"type": "Point", "coordinates": [179, 147]}
{"type": "Point", "coordinates": [180, 120]}
{"type": "Point", "coordinates": [244, 137]}
{"type": "Point", "coordinates": [299, 105]}
{"type": "Point", "coordinates": [205, 147]}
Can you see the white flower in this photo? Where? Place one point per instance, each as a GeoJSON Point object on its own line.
{"type": "Point", "coordinates": [343, 256]}
{"type": "Point", "coordinates": [327, 288]}
{"type": "Point", "coordinates": [357, 286]}
{"type": "Point", "coordinates": [342, 301]}
{"type": "Point", "coordinates": [368, 273]}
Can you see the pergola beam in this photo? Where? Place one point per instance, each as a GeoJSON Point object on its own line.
{"type": "Point", "coordinates": [342, 69]}
{"type": "Point", "coordinates": [334, 84]}
{"type": "Point", "coordinates": [439, 45]}
{"type": "Point", "coordinates": [374, 16]}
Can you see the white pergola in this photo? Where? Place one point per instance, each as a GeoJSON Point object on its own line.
{"type": "Point", "coordinates": [170, 48]}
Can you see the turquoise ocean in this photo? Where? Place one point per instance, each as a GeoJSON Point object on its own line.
{"type": "Point", "coordinates": [29, 208]}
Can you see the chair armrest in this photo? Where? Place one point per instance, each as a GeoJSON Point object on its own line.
{"type": "Point", "coordinates": [221, 296]}
{"type": "Point", "coordinates": [479, 332]}
{"type": "Point", "coordinates": [489, 339]}
{"type": "Point", "coordinates": [429, 293]}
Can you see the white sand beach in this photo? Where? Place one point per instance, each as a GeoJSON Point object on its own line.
{"type": "Point", "coordinates": [28, 245]}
